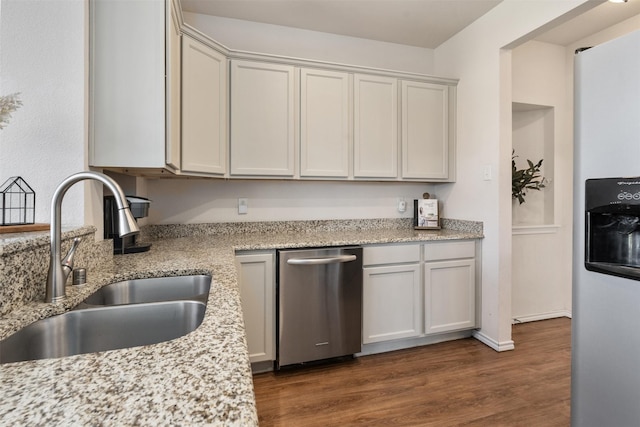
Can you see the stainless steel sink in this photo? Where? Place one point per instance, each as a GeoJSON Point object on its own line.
{"type": "Point", "coordinates": [102, 328]}
{"type": "Point", "coordinates": [152, 290]}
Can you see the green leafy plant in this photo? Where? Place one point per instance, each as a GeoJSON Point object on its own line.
{"type": "Point", "coordinates": [525, 179]}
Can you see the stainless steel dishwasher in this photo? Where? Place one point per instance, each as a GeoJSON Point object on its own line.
{"type": "Point", "coordinates": [319, 304]}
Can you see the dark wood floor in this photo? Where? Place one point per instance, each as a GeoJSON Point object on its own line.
{"type": "Point", "coordinates": [458, 383]}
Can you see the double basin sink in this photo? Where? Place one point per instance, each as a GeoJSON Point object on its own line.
{"type": "Point", "coordinates": [125, 314]}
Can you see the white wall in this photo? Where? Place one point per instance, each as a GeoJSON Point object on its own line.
{"type": "Point", "coordinates": [203, 201]}
{"type": "Point", "coordinates": [42, 55]}
{"type": "Point", "coordinates": [285, 41]}
{"type": "Point", "coordinates": [200, 201]}
{"type": "Point", "coordinates": [541, 281]}
{"type": "Point", "coordinates": [541, 269]}
{"type": "Point", "coordinates": [484, 138]}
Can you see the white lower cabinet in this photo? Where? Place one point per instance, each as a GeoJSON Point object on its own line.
{"type": "Point", "coordinates": [414, 291]}
{"type": "Point", "coordinates": [449, 295]}
{"type": "Point", "coordinates": [257, 292]}
{"type": "Point", "coordinates": [449, 286]}
{"type": "Point", "coordinates": [391, 301]}
{"type": "Point", "coordinates": [413, 294]}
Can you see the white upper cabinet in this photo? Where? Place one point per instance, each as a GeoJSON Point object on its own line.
{"type": "Point", "coordinates": [166, 98]}
{"type": "Point", "coordinates": [128, 94]}
{"type": "Point", "coordinates": [173, 88]}
{"type": "Point", "coordinates": [324, 123]}
{"type": "Point", "coordinates": [262, 119]}
{"type": "Point", "coordinates": [425, 130]}
{"type": "Point", "coordinates": [204, 109]}
{"type": "Point", "coordinates": [375, 126]}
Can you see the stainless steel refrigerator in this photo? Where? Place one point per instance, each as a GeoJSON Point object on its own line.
{"type": "Point", "coordinates": [605, 384]}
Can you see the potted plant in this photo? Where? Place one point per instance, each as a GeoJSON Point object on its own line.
{"type": "Point", "coordinates": [525, 179]}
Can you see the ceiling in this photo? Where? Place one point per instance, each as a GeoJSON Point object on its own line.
{"type": "Point", "coordinates": [423, 23]}
{"type": "Point", "coordinates": [590, 22]}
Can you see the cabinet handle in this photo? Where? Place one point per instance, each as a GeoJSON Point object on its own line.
{"type": "Point", "coordinates": [323, 260]}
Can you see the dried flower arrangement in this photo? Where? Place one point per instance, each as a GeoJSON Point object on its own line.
{"type": "Point", "coordinates": [8, 104]}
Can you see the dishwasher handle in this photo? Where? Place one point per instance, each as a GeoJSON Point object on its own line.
{"type": "Point", "coordinates": [321, 260]}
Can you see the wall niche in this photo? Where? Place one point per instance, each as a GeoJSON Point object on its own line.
{"type": "Point", "coordinates": [533, 139]}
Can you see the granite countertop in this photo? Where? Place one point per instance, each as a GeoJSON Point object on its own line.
{"type": "Point", "coordinates": [201, 378]}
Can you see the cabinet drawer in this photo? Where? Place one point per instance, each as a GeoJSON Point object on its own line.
{"type": "Point", "coordinates": [449, 250]}
{"type": "Point", "coordinates": [390, 254]}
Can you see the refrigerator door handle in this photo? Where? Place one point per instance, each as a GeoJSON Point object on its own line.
{"type": "Point", "coordinates": [322, 260]}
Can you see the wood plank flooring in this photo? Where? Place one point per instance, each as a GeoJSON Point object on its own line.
{"type": "Point", "coordinates": [457, 383]}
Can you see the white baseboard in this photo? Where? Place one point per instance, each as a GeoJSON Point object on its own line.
{"type": "Point", "coordinates": [509, 345]}
{"type": "Point", "coordinates": [497, 346]}
{"type": "Point", "coordinates": [385, 346]}
{"type": "Point", "coordinates": [542, 316]}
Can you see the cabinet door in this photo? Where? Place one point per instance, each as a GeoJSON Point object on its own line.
{"type": "Point", "coordinates": [425, 130]}
{"type": "Point", "coordinates": [324, 123]}
{"type": "Point", "coordinates": [128, 87]}
{"type": "Point", "coordinates": [262, 119]}
{"type": "Point", "coordinates": [375, 127]}
{"type": "Point", "coordinates": [449, 297]}
{"type": "Point", "coordinates": [173, 88]}
{"type": "Point", "coordinates": [204, 109]}
{"type": "Point", "coordinates": [391, 302]}
{"type": "Point", "coordinates": [257, 292]}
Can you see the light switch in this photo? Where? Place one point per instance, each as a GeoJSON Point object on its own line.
{"type": "Point", "coordinates": [486, 173]}
{"type": "Point", "coordinates": [243, 206]}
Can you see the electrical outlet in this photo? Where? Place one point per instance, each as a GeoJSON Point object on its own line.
{"type": "Point", "coordinates": [243, 206]}
{"type": "Point", "coordinates": [402, 205]}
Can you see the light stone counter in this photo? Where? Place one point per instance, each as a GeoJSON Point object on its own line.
{"type": "Point", "coordinates": [201, 378]}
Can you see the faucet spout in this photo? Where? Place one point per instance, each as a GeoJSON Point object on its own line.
{"type": "Point", "coordinates": [59, 269]}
